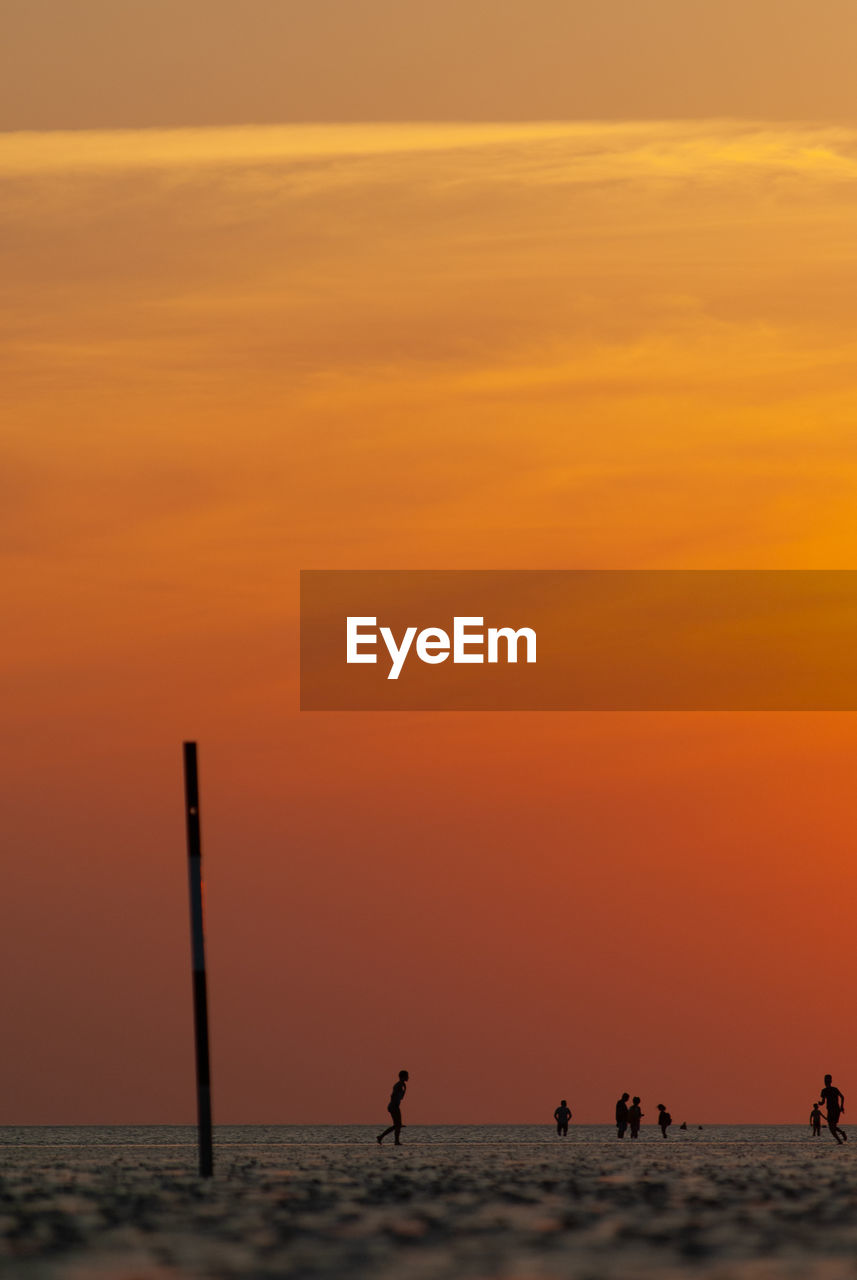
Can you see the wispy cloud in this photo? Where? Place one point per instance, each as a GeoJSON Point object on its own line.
{"type": "Point", "coordinates": [623, 341]}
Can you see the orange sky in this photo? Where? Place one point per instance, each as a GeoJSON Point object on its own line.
{"type": "Point", "coordinates": [97, 64]}
{"type": "Point", "coordinates": [237, 353]}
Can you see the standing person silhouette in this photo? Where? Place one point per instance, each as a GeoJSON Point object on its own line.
{"type": "Point", "coordinates": [622, 1115]}
{"type": "Point", "coordinates": [815, 1118]}
{"type": "Point", "coordinates": [635, 1115]}
{"type": "Point", "coordinates": [562, 1115]}
{"type": "Point", "coordinates": [835, 1103]}
{"type": "Point", "coordinates": [394, 1106]}
{"type": "Point", "coordinates": [664, 1119]}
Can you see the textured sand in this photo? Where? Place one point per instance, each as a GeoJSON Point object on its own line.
{"type": "Point", "coordinates": [426, 1212]}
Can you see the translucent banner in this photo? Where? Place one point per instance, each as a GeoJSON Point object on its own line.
{"type": "Point", "coordinates": [579, 640]}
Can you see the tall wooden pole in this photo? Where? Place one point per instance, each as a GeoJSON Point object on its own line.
{"type": "Point", "coordinates": [197, 948]}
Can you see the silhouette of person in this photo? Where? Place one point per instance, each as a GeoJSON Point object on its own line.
{"type": "Point", "coordinates": [622, 1115]}
{"type": "Point", "coordinates": [835, 1103]}
{"type": "Point", "coordinates": [664, 1119]}
{"type": "Point", "coordinates": [815, 1118]}
{"type": "Point", "coordinates": [394, 1106]}
{"type": "Point", "coordinates": [635, 1115]}
{"type": "Point", "coordinates": [562, 1115]}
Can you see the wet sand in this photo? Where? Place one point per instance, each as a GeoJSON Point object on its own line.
{"type": "Point", "coordinates": [426, 1211]}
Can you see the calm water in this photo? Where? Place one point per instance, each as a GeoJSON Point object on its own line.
{"type": "Point", "coordinates": [249, 1137]}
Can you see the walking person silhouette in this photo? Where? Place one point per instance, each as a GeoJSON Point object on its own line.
{"type": "Point", "coordinates": [835, 1103]}
{"type": "Point", "coordinates": [635, 1115]}
{"type": "Point", "coordinates": [815, 1118]}
{"type": "Point", "coordinates": [562, 1115]}
{"type": "Point", "coordinates": [394, 1106]}
{"type": "Point", "coordinates": [622, 1115]}
{"type": "Point", "coordinates": [664, 1119]}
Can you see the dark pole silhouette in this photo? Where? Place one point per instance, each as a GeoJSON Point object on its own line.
{"type": "Point", "coordinates": [197, 946]}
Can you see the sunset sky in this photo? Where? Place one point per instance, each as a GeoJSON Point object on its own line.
{"type": "Point", "coordinates": [248, 333]}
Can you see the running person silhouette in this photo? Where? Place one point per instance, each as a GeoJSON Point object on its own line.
{"type": "Point", "coordinates": [562, 1115]}
{"type": "Point", "coordinates": [394, 1106]}
{"type": "Point", "coordinates": [834, 1101]}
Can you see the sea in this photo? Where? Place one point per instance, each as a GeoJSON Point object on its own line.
{"type": "Point", "coordinates": [232, 1138]}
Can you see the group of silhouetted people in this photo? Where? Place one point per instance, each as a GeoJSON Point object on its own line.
{"type": "Point", "coordinates": [628, 1118]}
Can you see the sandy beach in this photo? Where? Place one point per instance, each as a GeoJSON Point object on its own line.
{"type": "Point", "coordinates": [127, 1205]}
